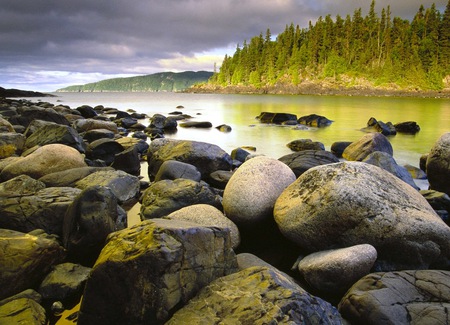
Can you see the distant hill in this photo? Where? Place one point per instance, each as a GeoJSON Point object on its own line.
{"type": "Point", "coordinates": [163, 81]}
{"type": "Point", "coordinates": [21, 93]}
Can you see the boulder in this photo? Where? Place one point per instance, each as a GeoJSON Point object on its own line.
{"type": "Point", "coordinates": [409, 127]}
{"type": "Point", "coordinates": [124, 186]}
{"type": "Point", "coordinates": [44, 209]}
{"type": "Point", "coordinates": [369, 143]}
{"type": "Point", "coordinates": [129, 142]}
{"type": "Point", "coordinates": [195, 124]}
{"type": "Point", "coordinates": [338, 147]}
{"type": "Point", "coordinates": [415, 172]}
{"type": "Point", "coordinates": [386, 129]}
{"type": "Point", "coordinates": [166, 196]}
{"type": "Point", "coordinates": [246, 260]}
{"type": "Point", "coordinates": [251, 192]}
{"type": "Point", "coordinates": [439, 201]}
{"type": "Point", "coordinates": [157, 121]}
{"type": "Point", "coordinates": [207, 215]}
{"type": "Point", "coordinates": [147, 272]}
{"type": "Point", "coordinates": [205, 156]}
{"type": "Point", "coordinates": [127, 122]}
{"type": "Point", "coordinates": [23, 311]}
{"type": "Point", "coordinates": [96, 134]}
{"type": "Point", "coordinates": [172, 169]}
{"type": "Point", "coordinates": [26, 259]}
{"type": "Point", "coordinates": [5, 126]}
{"type": "Point", "coordinates": [276, 118]}
{"type": "Point", "coordinates": [87, 111]}
{"type": "Point", "coordinates": [103, 149]}
{"type": "Point", "coordinates": [20, 186]}
{"type": "Point", "coordinates": [305, 144]}
{"type": "Point", "coordinates": [388, 163]}
{"type": "Point", "coordinates": [69, 178]}
{"type": "Point", "coordinates": [351, 203]}
{"type": "Point", "coordinates": [224, 128]}
{"type": "Point", "coordinates": [220, 178]}
{"type": "Point", "coordinates": [64, 283]}
{"type": "Point", "coordinates": [337, 270]}
{"type": "Point", "coordinates": [301, 161]}
{"type": "Point", "coordinates": [438, 167]}
{"type": "Point", "coordinates": [91, 124]}
{"type": "Point", "coordinates": [91, 217]}
{"type": "Point", "coordinates": [128, 161]}
{"type": "Point", "coordinates": [256, 295]}
{"type": "Point", "coordinates": [27, 114]}
{"type": "Point", "coordinates": [54, 133]}
{"type": "Point", "coordinates": [45, 160]}
{"type": "Point", "coordinates": [405, 297]}
{"type": "Point", "coordinates": [314, 120]}
{"type": "Point", "coordinates": [11, 143]}
{"type": "Point", "coordinates": [240, 154]}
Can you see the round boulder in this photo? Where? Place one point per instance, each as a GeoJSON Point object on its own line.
{"type": "Point", "coordinates": [369, 143]}
{"type": "Point", "coordinates": [438, 167]}
{"type": "Point", "coordinates": [351, 203]}
{"type": "Point", "coordinates": [251, 192]}
{"type": "Point", "coordinates": [301, 161]}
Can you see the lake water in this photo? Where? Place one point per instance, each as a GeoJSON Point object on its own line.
{"type": "Point", "coordinates": [349, 114]}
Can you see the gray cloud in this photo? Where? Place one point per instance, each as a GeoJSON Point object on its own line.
{"type": "Point", "coordinates": [45, 44]}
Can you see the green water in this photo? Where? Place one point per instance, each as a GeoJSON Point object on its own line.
{"type": "Point", "coordinates": [349, 114]}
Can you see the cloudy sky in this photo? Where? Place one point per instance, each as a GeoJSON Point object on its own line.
{"type": "Point", "coordinates": [49, 44]}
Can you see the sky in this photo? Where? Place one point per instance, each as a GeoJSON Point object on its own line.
{"type": "Point", "coordinates": [49, 44]}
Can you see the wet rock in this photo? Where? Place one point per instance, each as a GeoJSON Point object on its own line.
{"type": "Point", "coordinates": [301, 161]}
{"type": "Point", "coordinates": [25, 260]}
{"type": "Point", "coordinates": [104, 149]}
{"type": "Point", "coordinates": [438, 167]}
{"type": "Point", "coordinates": [275, 118]}
{"type": "Point", "coordinates": [27, 114]}
{"type": "Point", "coordinates": [251, 192]}
{"type": "Point", "coordinates": [256, 295]}
{"type": "Point", "coordinates": [91, 124]}
{"type": "Point", "coordinates": [220, 178]}
{"type": "Point", "coordinates": [409, 127]}
{"type": "Point", "coordinates": [5, 126]}
{"type": "Point", "coordinates": [338, 147]}
{"type": "Point", "coordinates": [240, 154]}
{"type": "Point", "coordinates": [224, 128]}
{"type": "Point", "coordinates": [20, 186]}
{"type": "Point", "coordinates": [405, 297]}
{"type": "Point", "coordinates": [305, 144]}
{"type": "Point", "coordinates": [11, 143]}
{"type": "Point", "coordinates": [314, 120]}
{"type": "Point", "coordinates": [97, 134]}
{"type": "Point", "coordinates": [147, 272]}
{"type": "Point", "coordinates": [194, 124]}
{"type": "Point", "coordinates": [416, 173]}
{"type": "Point", "coordinates": [369, 143]}
{"type": "Point", "coordinates": [54, 133]}
{"type": "Point", "coordinates": [128, 161]}
{"type": "Point", "coordinates": [166, 196]}
{"type": "Point", "coordinates": [23, 311]}
{"type": "Point", "coordinates": [172, 169]}
{"type": "Point", "coordinates": [346, 204]}
{"type": "Point", "coordinates": [87, 111]}
{"type": "Point", "coordinates": [69, 178]}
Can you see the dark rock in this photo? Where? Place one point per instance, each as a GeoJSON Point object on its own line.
{"type": "Point", "coordinates": [239, 154]}
{"type": "Point", "coordinates": [314, 120]}
{"type": "Point", "coordinates": [122, 114]}
{"type": "Point", "coordinates": [256, 295]}
{"type": "Point", "coordinates": [276, 118]}
{"type": "Point", "coordinates": [23, 311]}
{"type": "Point", "coordinates": [415, 172]}
{"type": "Point", "coordinates": [30, 113]}
{"type": "Point", "coordinates": [407, 127]}
{"type": "Point", "coordinates": [11, 143]}
{"type": "Point", "coordinates": [147, 272]}
{"type": "Point", "coordinates": [170, 123]}
{"type": "Point", "coordinates": [128, 122]}
{"type": "Point", "coordinates": [438, 167]}
{"type": "Point", "coordinates": [193, 124]}
{"type": "Point", "coordinates": [301, 161]}
{"type": "Point", "coordinates": [337, 148]}
{"type": "Point", "coordinates": [129, 161]}
{"type": "Point", "coordinates": [104, 149]}
{"type": "Point", "coordinates": [439, 202]}
{"type": "Point", "coordinates": [157, 121]}
{"type": "Point", "coordinates": [92, 124]}
{"type": "Point", "coordinates": [97, 134]}
{"type": "Point", "coordinates": [369, 143]}
{"type": "Point", "coordinates": [5, 126]}
{"type": "Point", "coordinates": [20, 186]}
{"type": "Point", "coordinates": [88, 221]}
{"type": "Point", "coordinates": [29, 293]}
{"type": "Point", "coordinates": [139, 135]}
{"type": "Point", "coordinates": [54, 133]}
{"type": "Point", "coordinates": [423, 162]}
{"type": "Point", "coordinates": [305, 144]}
{"type": "Point", "coordinates": [86, 111]}
{"type": "Point", "coordinates": [167, 196]}
{"type": "Point", "coordinates": [25, 260]}
{"type": "Point", "coordinates": [224, 128]}
{"type": "Point", "coordinates": [68, 178]}
{"type": "Point", "coordinates": [219, 179]}
{"type": "Point", "coordinates": [405, 297]}
{"type": "Point", "coordinates": [386, 129]}
{"type": "Point", "coordinates": [139, 116]}
{"type": "Point", "coordinates": [172, 169]}
{"type": "Point", "coordinates": [36, 125]}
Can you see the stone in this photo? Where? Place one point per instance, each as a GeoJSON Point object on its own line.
{"type": "Point", "coordinates": [69, 178]}
{"type": "Point", "coordinates": [65, 283]}
{"type": "Point", "coordinates": [275, 118]}
{"type": "Point", "coordinates": [91, 124]}
{"type": "Point", "coordinates": [207, 215]}
{"type": "Point", "coordinates": [305, 144]}
{"type": "Point", "coordinates": [96, 134]}
{"type": "Point", "coordinates": [415, 172]}
{"type": "Point", "coordinates": [224, 128]}
{"type": "Point", "coordinates": [367, 144]}
{"type": "Point", "coordinates": [27, 114]}
{"type": "Point", "coordinates": [409, 127]}
{"type": "Point", "coordinates": [256, 295]}
{"type": "Point", "coordinates": [157, 121]}
{"type": "Point", "coordinates": [166, 196]}
{"type": "Point", "coordinates": [124, 186]}
{"type": "Point", "coordinates": [45, 160]}
{"type": "Point", "coordinates": [301, 161]}
{"type": "Point", "coordinates": [195, 124]}
{"type": "Point", "coordinates": [87, 111]}
{"type": "Point", "coordinates": [205, 156]}
{"type": "Point", "coordinates": [5, 126]}
{"type": "Point", "coordinates": [25, 260]}
{"type": "Point", "coordinates": [438, 166]}
{"type": "Point", "coordinates": [104, 149]}
{"type": "Point", "coordinates": [338, 147]}
{"type": "Point", "coordinates": [128, 161]}
{"type": "Point", "coordinates": [172, 169]}
{"type": "Point", "coordinates": [404, 297]}
{"type": "Point", "coordinates": [351, 203]}
{"type": "Point", "coordinates": [437, 200]}
{"type": "Point", "coordinates": [251, 192]}
{"type": "Point", "coordinates": [388, 163]}
{"type": "Point", "coordinates": [220, 178]}
{"type": "Point", "coordinates": [314, 120]}
{"type": "Point", "coordinates": [11, 143]}
{"type": "Point", "coordinates": [246, 260]}
{"type": "Point", "coordinates": [20, 186]}
{"type": "Point", "coordinates": [337, 270]}
{"type": "Point", "coordinates": [23, 311]}
{"type": "Point", "coordinates": [91, 217]}
{"type": "Point", "coordinates": [28, 293]}
{"type": "Point", "coordinates": [44, 209]}
{"type": "Point", "coordinates": [147, 272]}
{"type": "Point", "coordinates": [239, 154]}
{"type": "Point", "coordinates": [54, 133]}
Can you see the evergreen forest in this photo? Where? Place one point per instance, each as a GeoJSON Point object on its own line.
{"type": "Point", "coordinates": [382, 50]}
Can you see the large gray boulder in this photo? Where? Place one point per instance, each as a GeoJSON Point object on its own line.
{"type": "Point", "coordinates": [438, 166]}
{"type": "Point", "coordinates": [44, 210]}
{"type": "Point", "coordinates": [366, 145]}
{"type": "Point", "coordinates": [54, 133]}
{"type": "Point", "coordinates": [26, 259]}
{"type": "Point", "coordinates": [164, 197]}
{"type": "Point", "coordinates": [337, 270]}
{"type": "Point", "coordinates": [405, 297]}
{"type": "Point", "coordinates": [205, 156]}
{"type": "Point", "coordinates": [146, 272]}
{"type": "Point", "coordinates": [45, 160]}
{"type": "Point", "coordinates": [350, 203]}
{"type": "Point", "coordinates": [256, 295]}
{"type": "Point", "coordinates": [251, 192]}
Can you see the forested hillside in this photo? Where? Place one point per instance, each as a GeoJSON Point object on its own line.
{"type": "Point", "coordinates": [376, 48]}
{"type": "Point", "coordinates": [164, 81]}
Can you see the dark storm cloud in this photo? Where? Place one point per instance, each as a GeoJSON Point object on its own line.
{"type": "Point", "coordinates": [41, 41]}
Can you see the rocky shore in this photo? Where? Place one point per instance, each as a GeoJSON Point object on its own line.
{"type": "Point", "coordinates": [315, 237]}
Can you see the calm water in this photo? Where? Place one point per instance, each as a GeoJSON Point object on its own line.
{"type": "Point", "coordinates": [349, 114]}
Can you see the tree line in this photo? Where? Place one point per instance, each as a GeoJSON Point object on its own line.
{"type": "Point", "coordinates": [377, 47]}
